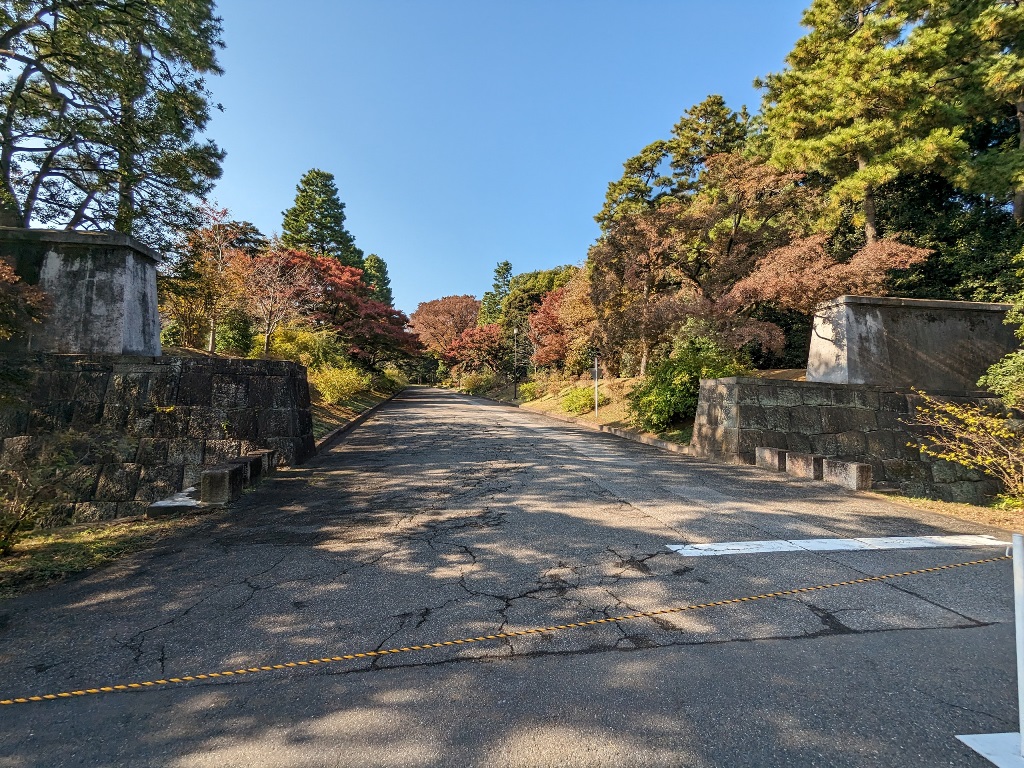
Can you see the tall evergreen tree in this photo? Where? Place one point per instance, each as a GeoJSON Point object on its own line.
{"type": "Point", "coordinates": [316, 222]}
{"type": "Point", "coordinates": [673, 166]}
{"type": "Point", "coordinates": [102, 107]}
{"type": "Point", "coordinates": [491, 304]}
{"type": "Point", "coordinates": [375, 274]}
{"type": "Point", "coordinates": [874, 90]}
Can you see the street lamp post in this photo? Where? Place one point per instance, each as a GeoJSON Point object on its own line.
{"type": "Point", "coordinates": [515, 363]}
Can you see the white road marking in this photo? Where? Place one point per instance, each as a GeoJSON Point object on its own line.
{"type": "Point", "coordinates": [832, 545]}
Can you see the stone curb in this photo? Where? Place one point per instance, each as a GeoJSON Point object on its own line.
{"type": "Point", "coordinates": [334, 434]}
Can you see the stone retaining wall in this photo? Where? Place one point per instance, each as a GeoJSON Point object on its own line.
{"type": "Point", "coordinates": [857, 423]}
{"type": "Point", "coordinates": [175, 416]}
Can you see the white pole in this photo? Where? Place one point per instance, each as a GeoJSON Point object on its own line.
{"type": "Point", "coordinates": [595, 386]}
{"type": "Point", "coordinates": [1018, 610]}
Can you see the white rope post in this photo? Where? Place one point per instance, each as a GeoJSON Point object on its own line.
{"type": "Point", "coordinates": [1018, 611]}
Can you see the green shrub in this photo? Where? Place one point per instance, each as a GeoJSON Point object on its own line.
{"type": "Point", "coordinates": [235, 333]}
{"type": "Point", "coordinates": [312, 348]}
{"type": "Point", "coordinates": [1006, 379]}
{"type": "Point", "coordinates": [528, 391]}
{"type": "Point", "coordinates": [476, 383]}
{"type": "Point", "coordinates": [580, 400]}
{"type": "Point", "coordinates": [336, 384]}
{"type": "Point", "coordinates": [668, 394]}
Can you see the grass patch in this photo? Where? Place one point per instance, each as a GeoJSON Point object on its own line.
{"type": "Point", "coordinates": [1007, 519]}
{"type": "Point", "coordinates": [681, 435]}
{"type": "Point", "coordinates": [327, 418]}
{"type": "Point", "coordinates": [41, 558]}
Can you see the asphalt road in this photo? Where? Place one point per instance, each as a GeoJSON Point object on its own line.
{"type": "Point", "coordinates": [446, 517]}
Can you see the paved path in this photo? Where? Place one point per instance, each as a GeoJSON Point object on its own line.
{"type": "Point", "coordinates": [446, 517]}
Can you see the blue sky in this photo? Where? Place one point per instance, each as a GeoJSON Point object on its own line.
{"type": "Point", "coordinates": [460, 133]}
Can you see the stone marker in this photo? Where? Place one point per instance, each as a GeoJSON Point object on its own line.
{"type": "Point", "coordinates": [848, 474]}
{"type": "Point", "coordinates": [102, 286]}
{"type": "Point", "coordinates": [937, 346]}
{"type": "Point", "coordinates": [221, 485]}
{"type": "Point", "coordinates": [771, 458]}
{"type": "Point", "coordinates": [806, 465]}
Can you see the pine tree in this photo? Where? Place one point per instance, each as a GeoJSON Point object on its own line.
{"type": "Point", "coordinates": [316, 222]}
{"type": "Point", "coordinates": [375, 274]}
{"type": "Point", "coordinates": [491, 304]}
{"type": "Point", "coordinates": [872, 92]}
{"type": "Point", "coordinates": [673, 166]}
{"type": "Point", "coordinates": [999, 30]}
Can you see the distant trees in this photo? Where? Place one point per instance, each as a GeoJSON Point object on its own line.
{"type": "Point", "coordinates": [316, 221]}
{"type": "Point", "coordinates": [440, 322]}
{"type": "Point", "coordinates": [104, 104]}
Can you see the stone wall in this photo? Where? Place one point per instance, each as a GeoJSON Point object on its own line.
{"type": "Point", "coordinates": [937, 346]}
{"type": "Point", "coordinates": [848, 422]}
{"type": "Point", "coordinates": [102, 287]}
{"type": "Point", "coordinates": [176, 416]}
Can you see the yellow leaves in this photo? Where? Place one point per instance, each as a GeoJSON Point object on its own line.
{"type": "Point", "coordinates": [974, 437]}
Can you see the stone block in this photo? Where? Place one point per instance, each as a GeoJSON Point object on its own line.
{"type": "Point", "coordinates": [171, 421]}
{"type": "Point", "coordinates": [209, 423]}
{"type": "Point", "coordinates": [818, 395]}
{"type": "Point", "coordinates": [944, 472]}
{"type": "Point", "coordinates": [252, 468]}
{"type": "Point", "coordinates": [779, 395]}
{"type": "Point", "coordinates": [18, 449]}
{"type": "Point", "coordinates": [230, 391]}
{"type": "Point", "coordinates": [805, 465]}
{"type": "Point", "coordinates": [192, 475]}
{"type": "Point", "coordinates": [91, 386]}
{"type": "Point", "coordinates": [185, 450]}
{"type": "Point", "coordinates": [158, 482]}
{"type": "Point", "coordinates": [770, 458]}
{"type": "Point", "coordinates": [805, 419]}
{"type": "Point", "coordinates": [277, 423]}
{"type": "Point", "coordinates": [195, 387]}
{"type": "Point", "coordinates": [221, 451]}
{"type": "Point", "coordinates": [799, 443]}
{"type": "Point", "coordinates": [221, 485]}
{"type": "Point", "coordinates": [268, 459]}
{"type": "Point", "coordinates": [118, 482]}
{"type": "Point", "coordinates": [94, 511]}
{"type": "Point", "coordinates": [152, 451]}
{"type": "Point", "coordinates": [894, 402]}
{"type": "Point", "coordinates": [850, 443]}
{"type": "Point", "coordinates": [903, 470]}
{"type": "Point", "coordinates": [881, 443]}
{"type": "Point", "coordinates": [241, 423]}
{"type": "Point", "coordinates": [848, 474]}
{"type": "Point", "coordinates": [131, 508]}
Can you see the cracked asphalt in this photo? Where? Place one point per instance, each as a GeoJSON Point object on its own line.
{"type": "Point", "coordinates": [445, 517]}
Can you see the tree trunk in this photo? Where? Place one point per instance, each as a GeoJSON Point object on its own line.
{"type": "Point", "coordinates": [1018, 192]}
{"type": "Point", "coordinates": [266, 340]}
{"type": "Point", "coordinates": [644, 349]}
{"type": "Point", "coordinates": [870, 214]}
{"type": "Point", "coordinates": [126, 170]}
{"type": "Point", "coordinates": [212, 347]}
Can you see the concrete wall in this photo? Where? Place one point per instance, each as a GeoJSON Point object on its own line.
{"type": "Point", "coordinates": [937, 346]}
{"type": "Point", "coordinates": [852, 423]}
{"type": "Point", "coordinates": [176, 416]}
{"type": "Point", "coordinates": [102, 286]}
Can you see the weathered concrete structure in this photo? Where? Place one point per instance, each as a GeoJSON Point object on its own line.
{"type": "Point", "coordinates": [937, 346]}
{"type": "Point", "coordinates": [851, 423]}
{"type": "Point", "coordinates": [102, 286]}
{"type": "Point", "coordinates": [173, 417]}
